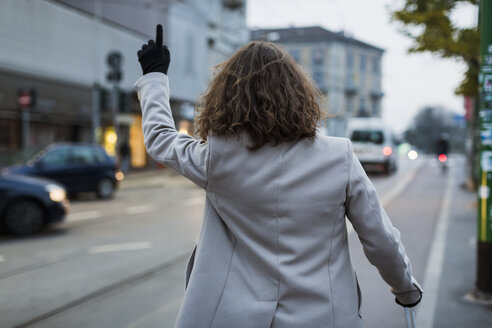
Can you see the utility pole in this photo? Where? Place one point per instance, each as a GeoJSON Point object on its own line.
{"type": "Point", "coordinates": [95, 114]}
{"type": "Point", "coordinates": [96, 87]}
{"type": "Point", "coordinates": [26, 100]}
{"type": "Point", "coordinates": [484, 256]}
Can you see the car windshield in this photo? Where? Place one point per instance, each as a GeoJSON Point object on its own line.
{"type": "Point", "coordinates": [371, 136]}
{"type": "Point", "coordinates": [82, 155]}
{"type": "Point", "coordinates": [56, 157]}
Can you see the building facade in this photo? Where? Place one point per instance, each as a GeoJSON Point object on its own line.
{"type": "Point", "coordinates": [346, 70]}
{"type": "Point", "coordinates": [61, 51]}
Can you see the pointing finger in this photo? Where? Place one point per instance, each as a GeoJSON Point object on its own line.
{"type": "Point", "coordinates": [158, 35]}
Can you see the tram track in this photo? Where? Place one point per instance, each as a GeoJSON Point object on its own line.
{"type": "Point", "coordinates": [108, 219]}
{"type": "Point", "coordinates": [173, 217]}
{"type": "Point", "coordinates": [386, 198]}
{"type": "Point", "coordinates": [116, 286]}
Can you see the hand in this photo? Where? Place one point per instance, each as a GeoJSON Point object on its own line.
{"type": "Point", "coordinates": [409, 305]}
{"type": "Point", "coordinates": [154, 57]}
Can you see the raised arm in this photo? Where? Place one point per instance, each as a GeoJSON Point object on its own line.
{"type": "Point", "coordinates": [380, 240]}
{"type": "Point", "coordinates": [179, 151]}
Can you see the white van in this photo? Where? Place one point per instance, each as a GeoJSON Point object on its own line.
{"type": "Point", "coordinates": [374, 144]}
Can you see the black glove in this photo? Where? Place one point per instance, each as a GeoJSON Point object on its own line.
{"type": "Point", "coordinates": [154, 57]}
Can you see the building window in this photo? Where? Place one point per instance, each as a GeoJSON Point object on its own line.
{"type": "Point", "coordinates": [363, 62]}
{"type": "Point", "coordinates": [319, 78]}
{"type": "Point", "coordinates": [296, 54]}
{"type": "Point", "coordinates": [375, 107]}
{"type": "Point", "coordinates": [375, 65]}
{"type": "Point", "coordinates": [350, 59]}
{"type": "Point", "coordinates": [349, 104]}
{"type": "Point", "coordinates": [318, 57]}
{"type": "Point", "coordinates": [362, 108]}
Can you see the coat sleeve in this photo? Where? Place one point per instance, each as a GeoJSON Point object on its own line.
{"type": "Point", "coordinates": [181, 152]}
{"type": "Point", "coordinates": [380, 240]}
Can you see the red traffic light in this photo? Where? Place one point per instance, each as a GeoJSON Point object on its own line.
{"type": "Point", "coordinates": [443, 158]}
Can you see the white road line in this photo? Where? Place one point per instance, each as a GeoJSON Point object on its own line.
{"type": "Point", "coordinates": [389, 196]}
{"type": "Point", "coordinates": [195, 201]}
{"type": "Point", "coordinates": [433, 270]}
{"type": "Point", "coordinates": [81, 216]}
{"type": "Point", "coordinates": [120, 247]}
{"type": "Point", "coordinates": [140, 209]}
{"type": "Point", "coordinates": [2, 258]}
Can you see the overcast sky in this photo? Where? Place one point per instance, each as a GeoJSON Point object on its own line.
{"type": "Point", "coordinates": [410, 81]}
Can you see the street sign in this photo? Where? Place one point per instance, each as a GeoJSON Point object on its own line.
{"type": "Point", "coordinates": [485, 219]}
{"type": "Point", "coordinates": [25, 98]}
{"type": "Point", "coordinates": [484, 258]}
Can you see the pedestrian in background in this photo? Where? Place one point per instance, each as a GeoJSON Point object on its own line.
{"type": "Point", "coordinates": [273, 250]}
{"type": "Point", "coordinates": [125, 156]}
{"type": "Point", "coordinates": [442, 144]}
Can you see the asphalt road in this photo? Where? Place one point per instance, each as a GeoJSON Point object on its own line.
{"type": "Point", "coordinates": [120, 263]}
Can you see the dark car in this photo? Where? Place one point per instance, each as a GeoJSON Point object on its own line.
{"type": "Point", "coordinates": [27, 204]}
{"type": "Point", "coordinates": [78, 167]}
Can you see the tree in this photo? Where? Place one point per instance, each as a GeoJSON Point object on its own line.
{"type": "Point", "coordinates": [428, 23]}
{"type": "Point", "coordinates": [430, 124]}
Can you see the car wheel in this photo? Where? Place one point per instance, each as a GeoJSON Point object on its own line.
{"type": "Point", "coordinates": [23, 217]}
{"type": "Point", "coordinates": [105, 188]}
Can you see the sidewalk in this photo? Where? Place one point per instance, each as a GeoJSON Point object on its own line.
{"type": "Point", "coordinates": [144, 173]}
{"type": "Point", "coordinates": [446, 306]}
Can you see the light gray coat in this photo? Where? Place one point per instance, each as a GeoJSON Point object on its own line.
{"type": "Point", "coordinates": [273, 248]}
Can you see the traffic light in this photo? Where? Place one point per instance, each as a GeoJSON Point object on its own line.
{"type": "Point", "coordinates": [104, 100]}
{"type": "Point", "coordinates": [123, 102]}
{"type": "Point", "coordinates": [114, 61]}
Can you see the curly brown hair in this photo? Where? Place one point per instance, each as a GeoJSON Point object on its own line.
{"type": "Point", "coordinates": [263, 91]}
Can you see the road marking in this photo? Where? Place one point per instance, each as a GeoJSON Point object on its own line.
{"type": "Point", "coordinates": [388, 197]}
{"type": "Point", "coordinates": [195, 201]}
{"type": "Point", "coordinates": [2, 258]}
{"type": "Point", "coordinates": [140, 322]}
{"type": "Point", "coordinates": [433, 269]}
{"type": "Point", "coordinates": [81, 216]}
{"type": "Point", "coordinates": [140, 209]}
{"type": "Point", "coordinates": [120, 247]}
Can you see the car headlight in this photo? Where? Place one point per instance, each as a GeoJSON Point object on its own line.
{"type": "Point", "coordinates": [119, 176]}
{"type": "Point", "coordinates": [57, 194]}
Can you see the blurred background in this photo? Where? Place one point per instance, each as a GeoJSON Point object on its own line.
{"type": "Point", "coordinates": [97, 234]}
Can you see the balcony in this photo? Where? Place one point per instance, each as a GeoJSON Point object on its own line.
{"type": "Point", "coordinates": [233, 4]}
{"type": "Point", "coordinates": [376, 94]}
